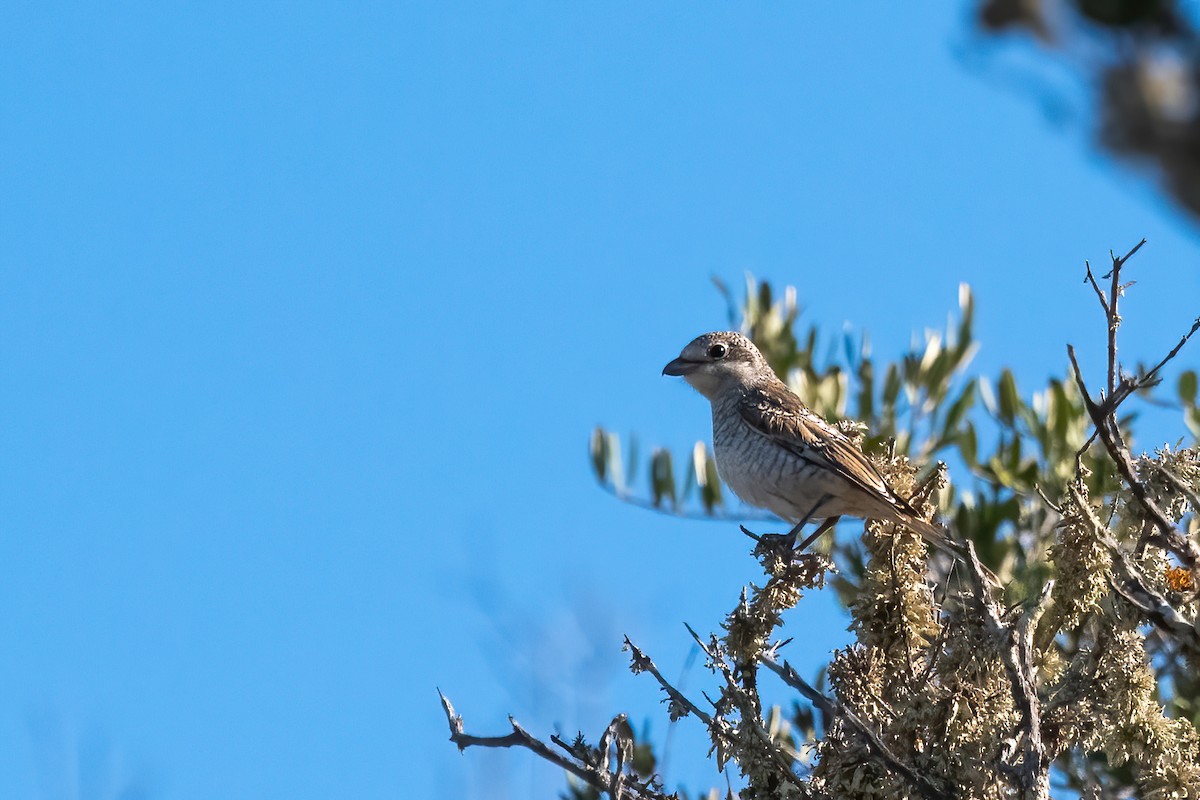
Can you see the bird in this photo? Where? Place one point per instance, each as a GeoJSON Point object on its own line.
{"type": "Point", "coordinates": [776, 453]}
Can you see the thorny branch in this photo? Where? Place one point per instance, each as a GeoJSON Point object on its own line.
{"type": "Point", "coordinates": [1120, 387]}
{"type": "Point", "coordinates": [680, 704]}
{"type": "Point", "coordinates": [598, 776]}
{"type": "Point", "coordinates": [1114, 317]}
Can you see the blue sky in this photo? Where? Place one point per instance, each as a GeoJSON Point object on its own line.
{"type": "Point", "coordinates": [306, 313]}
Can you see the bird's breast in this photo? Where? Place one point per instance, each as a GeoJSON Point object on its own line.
{"type": "Point", "coordinates": [754, 468]}
{"type": "Point", "coordinates": [765, 475]}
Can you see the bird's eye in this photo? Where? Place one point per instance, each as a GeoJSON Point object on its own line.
{"type": "Point", "coordinates": [716, 351]}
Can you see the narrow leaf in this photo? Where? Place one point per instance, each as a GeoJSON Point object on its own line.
{"type": "Point", "coordinates": [662, 477]}
{"type": "Point", "coordinates": [598, 448]}
{"type": "Point", "coordinates": [1187, 387]}
{"type": "Point", "coordinates": [1010, 401]}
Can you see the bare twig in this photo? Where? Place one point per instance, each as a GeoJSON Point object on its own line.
{"type": "Point", "coordinates": [1120, 262]}
{"type": "Point", "coordinates": [1052, 505]}
{"type": "Point", "coordinates": [518, 738]}
{"type": "Point", "coordinates": [833, 709]}
{"type": "Point", "coordinates": [1112, 314]}
{"type": "Point", "coordinates": [1127, 385]}
{"type": "Point", "coordinates": [1118, 386]}
{"type": "Point", "coordinates": [1090, 278]}
{"type": "Point", "coordinates": [617, 784]}
{"type": "Point", "coordinates": [1150, 375]}
{"type": "Point", "coordinates": [642, 663]}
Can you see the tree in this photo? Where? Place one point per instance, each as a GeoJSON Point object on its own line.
{"type": "Point", "coordinates": [1139, 61]}
{"type": "Point", "coordinates": [1081, 672]}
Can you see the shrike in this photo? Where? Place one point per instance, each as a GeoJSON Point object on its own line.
{"type": "Point", "coordinates": [775, 453]}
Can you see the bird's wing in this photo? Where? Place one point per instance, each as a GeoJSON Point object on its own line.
{"type": "Point", "coordinates": [776, 413]}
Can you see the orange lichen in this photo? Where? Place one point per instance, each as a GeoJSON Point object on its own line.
{"type": "Point", "coordinates": [1179, 579]}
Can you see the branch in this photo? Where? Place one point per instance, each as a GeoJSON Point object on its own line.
{"type": "Point", "coordinates": [833, 709]}
{"type": "Point", "coordinates": [1127, 386]}
{"type": "Point", "coordinates": [642, 663]}
{"type": "Point", "coordinates": [1178, 485]}
{"type": "Point", "coordinates": [748, 708]}
{"type": "Point", "coordinates": [1032, 774]}
{"type": "Point", "coordinates": [1106, 427]}
{"type": "Point", "coordinates": [1146, 379]}
{"type": "Point", "coordinates": [1110, 308]}
{"type": "Point", "coordinates": [1120, 262]}
{"type": "Point", "coordinates": [1120, 387]}
{"type": "Point", "coordinates": [1090, 278]}
{"type": "Point", "coordinates": [1138, 592]}
{"type": "Point", "coordinates": [601, 779]}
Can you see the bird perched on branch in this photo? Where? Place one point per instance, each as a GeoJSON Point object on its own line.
{"type": "Point", "coordinates": [775, 453]}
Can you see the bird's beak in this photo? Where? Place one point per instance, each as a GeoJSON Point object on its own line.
{"type": "Point", "coordinates": [680, 366]}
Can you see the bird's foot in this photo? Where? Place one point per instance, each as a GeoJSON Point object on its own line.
{"type": "Point", "coordinates": [774, 545]}
{"type": "Point", "coordinates": [783, 545]}
{"type": "Point", "coordinates": [774, 540]}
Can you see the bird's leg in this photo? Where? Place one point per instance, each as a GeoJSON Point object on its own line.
{"type": "Point", "coordinates": [824, 526]}
{"type": "Point", "coordinates": [785, 543]}
{"type": "Point", "coordinates": [812, 537]}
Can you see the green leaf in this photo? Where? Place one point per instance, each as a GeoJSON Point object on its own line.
{"type": "Point", "coordinates": [966, 307]}
{"type": "Point", "coordinates": [968, 444]}
{"type": "Point", "coordinates": [988, 395]}
{"type": "Point", "coordinates": [631, 460]}
{"type": "Point", "coordinates": [1187, 387]}
{"type": "Point", "coordinates": [866, 391]}
{"type": "Point", "coordinates": [612, 445]}
{"type": "Point", "coordinates": [706, 477]}
{"type": "Point", "coordinates": [1000, 472]}
{"type": "Point", "coordinates": [1010, 401]}
{"type": "Point", "coordinates": [937, 378]}
{"type": "Point", "coordinates": [599, 452]}
{"type": "Point", "coordinates": [933, 349]}
{"type": "Point", "coordinates": [764, 296]}
{"type": "Point", "coordinates": [891, 386]}
{"type": "Point", "coordinates": [853, 351]}
{"type": "Point", "coordinates": [662, 478]}
{"type": "Point", "coordinates": [958, 410]}
{"type": "Point", "coordinates": [1061, 412]}
{"type": "Point", "coordinates": [712, 489]}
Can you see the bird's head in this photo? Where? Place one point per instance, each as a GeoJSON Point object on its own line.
{"type": "Point", "coordinates": [719, 361]}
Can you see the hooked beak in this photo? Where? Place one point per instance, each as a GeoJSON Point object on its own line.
{"type": "Point", "coordinates": [680, 366]}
